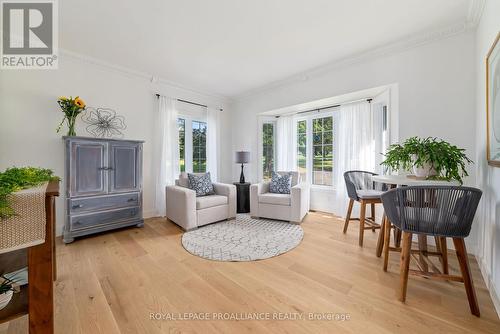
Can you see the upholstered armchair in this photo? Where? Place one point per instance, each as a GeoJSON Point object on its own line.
{"type": "Point", "coordinates": [190, 212]}
{"type": "Point", "coordinates": [290, 207]}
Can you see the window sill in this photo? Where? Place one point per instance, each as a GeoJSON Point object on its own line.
{"type": "Point", "coordinates": [325, 189]}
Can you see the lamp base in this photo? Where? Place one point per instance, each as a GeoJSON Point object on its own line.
{"type": "Point", "coordinates": [242, 176]}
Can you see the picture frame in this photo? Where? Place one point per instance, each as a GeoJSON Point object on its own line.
{"type": "Point", "coordinates": [493, 103]}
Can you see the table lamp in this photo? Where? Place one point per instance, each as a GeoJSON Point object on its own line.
{"type": "Point", "coordinates": [242, 157]}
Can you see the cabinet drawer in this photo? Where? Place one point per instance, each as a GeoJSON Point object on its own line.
{"type": "Point", "coordinates": [103, 203]}
{"type": "Point", "coordinates": [103, 218]}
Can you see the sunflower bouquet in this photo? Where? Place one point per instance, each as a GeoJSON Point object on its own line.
{"type": "Point", "coordinates": [71, 107]}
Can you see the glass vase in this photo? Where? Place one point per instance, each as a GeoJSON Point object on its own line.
{"type": "Point", "coordinates": [71, 126]}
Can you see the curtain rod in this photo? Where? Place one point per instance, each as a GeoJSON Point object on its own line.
{"type": "Point", "coordinates": [189, 102]}
{"type": "Point", "coordinates": [369, 100]}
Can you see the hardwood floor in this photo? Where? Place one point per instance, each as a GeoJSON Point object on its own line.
{"type": "Point", "coordinates": [111, 283]}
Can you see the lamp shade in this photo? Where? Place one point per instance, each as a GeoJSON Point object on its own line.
{"type": "Point", "coordinates": [242, 157]}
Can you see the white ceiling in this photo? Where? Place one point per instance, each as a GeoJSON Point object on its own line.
{"type": "Point", "coordinates": [229, 47]}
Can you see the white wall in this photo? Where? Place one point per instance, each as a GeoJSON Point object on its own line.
{"type": "Point", "coordinates": [436, 84]}
{"type": "Point", "coordinates": [488, 178]}
{"type": "Point", "coordinates": [29, 115]}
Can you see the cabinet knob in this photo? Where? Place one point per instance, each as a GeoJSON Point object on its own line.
{"type": "Point", "coordinates": [131, 200]}
{"type": "Point", "coordinates": [77, 206]}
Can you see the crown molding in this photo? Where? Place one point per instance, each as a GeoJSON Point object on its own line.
{"type": "Point", "coordinates": [475, 12]}
{"type": "Point", "coordinates": [398, 46]}
{"type": "Point", "coordinates": [132, 73]}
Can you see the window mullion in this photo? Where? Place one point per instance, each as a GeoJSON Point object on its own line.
{"type": "Point", "coordinates": [188, 150]}
{"type": "Point", "coordinates": [309, 150]}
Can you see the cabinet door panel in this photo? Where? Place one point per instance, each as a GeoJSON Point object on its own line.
{"type": "Point", "coordinates": [125, 167]}
{"type": "Point", "coordinates": [87, 162]}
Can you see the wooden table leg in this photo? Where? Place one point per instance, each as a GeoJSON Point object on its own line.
{"type": "Point", "coordinates": [387, 241]}
{"type": "Point", "coordinates": [362, 223]}
{"type": "Point", "coordinates": [444, 252]}
{"type": "Point", "coordinates": [422, 246]}
{"type": "Point", "coordinates": [372, 211]}
{"type": "Point", "coordinates": [41, 278]}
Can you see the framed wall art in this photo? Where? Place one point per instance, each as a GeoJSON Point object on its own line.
{"type": "Point", "coordinates": [493, 103]}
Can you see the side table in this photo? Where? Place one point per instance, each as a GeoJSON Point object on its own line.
{"type": "Point", "coordinates": [242, 197]}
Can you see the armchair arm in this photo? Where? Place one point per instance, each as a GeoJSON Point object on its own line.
{"type": "Point", "coordinates": [255, 191]}
{"type": "Point", "coordinates": [181, 206]}
{"type": "Point", "coordinates": [228, 190]}
{"type": "Point", "coordinates": [300, 201]}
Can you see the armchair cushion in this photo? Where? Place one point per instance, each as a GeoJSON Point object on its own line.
{"type": "Point", "coordinates": [295, 176]}
{"type": "Point", "coordinates": [280, 184]}
{"type": "Point", "coordinates": [369, 194]}
{"type": "Point", "coordinates": [209, 201]}
{"type": "Point", "coordinates": [277, 199]}
{"type": "Point", "coordinates": [202, 184]}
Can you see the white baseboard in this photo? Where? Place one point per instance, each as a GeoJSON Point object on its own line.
{"type": "Point", "coordinates": [150, 214]}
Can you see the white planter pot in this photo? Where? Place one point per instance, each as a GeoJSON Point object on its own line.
{"type": "Point", "coordinates": [424, 171]}
{"type": "Point", "coordinates": [5, 298]}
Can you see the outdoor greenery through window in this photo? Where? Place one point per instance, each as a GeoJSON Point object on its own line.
{"type": "Point", "coordinates": [322, 140]}
{"type": "Point", "coordinates": [199, 146]}
{"type": "Point", "coordinates": [181, 125]}
{"type": "Point", "coordinates": [267, 150]}
{"type": "Point", "coordinates": [302, 148]}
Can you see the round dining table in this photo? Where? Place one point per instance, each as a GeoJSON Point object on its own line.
{"type": "Point", "coordinates": [393, 181]}
{"type": "Point", "coordinates": [407, 180]}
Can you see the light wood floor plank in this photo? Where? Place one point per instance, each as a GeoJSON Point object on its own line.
{"type": "Point", "coordinates": [113, 282]}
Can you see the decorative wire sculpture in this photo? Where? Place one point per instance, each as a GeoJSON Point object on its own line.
{"type": "Point", "coordinates": [104, 123]}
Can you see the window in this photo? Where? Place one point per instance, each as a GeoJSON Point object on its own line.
{"type": "Point", "coordinates": [315, 157]}
{"type": "Point", "coordinates": [181, 125]}
{"type": "Point", "coordinates": [322, 151]}
{"type": "Point", "coordinates": [199, 147]}
{"type": "Point", "coordinates": [267, 150]}
{"type": "Point", "coordinates": [302, 148]}
{"type": "Point", "coordinates": [192, 145]}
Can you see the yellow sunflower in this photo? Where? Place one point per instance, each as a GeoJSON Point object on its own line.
{"type": "Point", "coordinates": [79, 102]}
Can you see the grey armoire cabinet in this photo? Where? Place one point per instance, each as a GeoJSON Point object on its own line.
{"type": "Point", "coordinates": [103, 185]}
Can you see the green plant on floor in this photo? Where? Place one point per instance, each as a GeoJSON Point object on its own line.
{"type": "Point", "coordinates": [18, 178]}
{"type": "Point", "coordinates": [448, 161]}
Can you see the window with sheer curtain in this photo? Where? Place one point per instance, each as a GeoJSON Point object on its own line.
{"type": "Point", "coordinates": [314, 140]}
{"type": "Point", "coordinates": [333, 140]}
{"type": "Point", "coordinates": [192, 145]}
{"type": "Point", "coordinates": [268, 149]}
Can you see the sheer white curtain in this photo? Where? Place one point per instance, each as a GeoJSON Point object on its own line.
{"type": "Point", "coordinates": [286, 144]}
{"type": "Point", "coordinates": [212, 126]}
{"type": "Point", "coordinates": [168, 138]}
{"type": "Point", "coordinates": [355, 144]}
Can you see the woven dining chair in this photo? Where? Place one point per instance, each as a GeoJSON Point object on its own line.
{"type": "Point", "coordinates": [361, 188]}
{"type": "Point", "coordinates": [440, 211]}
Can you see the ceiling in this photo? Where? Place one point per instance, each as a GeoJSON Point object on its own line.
{"type": "Point", "coordinates": [230, 47]}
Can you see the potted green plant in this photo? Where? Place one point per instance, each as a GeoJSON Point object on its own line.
{"type": "Point", "coordinates": [17, 178]}
{"type": "Point", "coordinates": [429, 157]}
{"type": "Point", "coordinates": [6, 291]}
